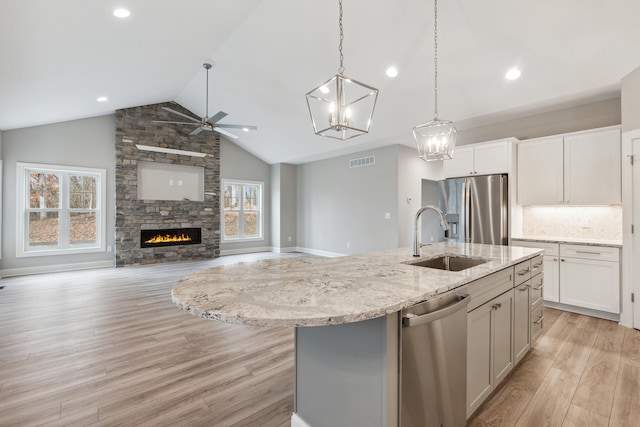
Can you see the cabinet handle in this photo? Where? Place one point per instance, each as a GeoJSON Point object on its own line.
{"type": "Point", "coordinates": [538, 288]}
{"type": "Point", "coordinates": [496, 306]}
{"type": "Point", "coordinates": [562, 260]}
{"type": "Point", "coordinates": [523, 288]}
{"type": "Point", "coordinates": [539, 321]}
{"type": "Point", "coordinates": [537, 265]}
{"type": "Point", "coordinates": [523, 272]}
{"type": "Point", "coordinates": [589, 252]}
{"type": "Point", "coordinates": [555, 260]}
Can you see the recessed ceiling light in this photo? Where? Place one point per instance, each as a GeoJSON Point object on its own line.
{"type": "Point", "coordinates": [392, 71]}
{"type": "Point", "coordinates": [121, 13]}
{"type": "Point", "coordinates": [102, 99]}
{"type": "Point", "coordinates": [512, 74]}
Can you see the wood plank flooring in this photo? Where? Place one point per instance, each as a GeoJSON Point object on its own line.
{"type": "Point", "coordinates": [107, 347]}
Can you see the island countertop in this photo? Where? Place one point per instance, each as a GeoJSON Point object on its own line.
{"type": "Point", "coordinates": [328, 291]}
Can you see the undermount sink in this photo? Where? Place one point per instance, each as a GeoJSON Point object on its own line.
{"type": "Point", "coordinates": [449, 262]}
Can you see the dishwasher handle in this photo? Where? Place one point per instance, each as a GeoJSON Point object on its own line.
{"type": "Point", "coordinates": [415, 320]}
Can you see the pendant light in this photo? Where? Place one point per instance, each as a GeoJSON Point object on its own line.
{"type": "Point", "coordinates": [341, 107]}
{"type": "Point", "coordinates": [435, 139]}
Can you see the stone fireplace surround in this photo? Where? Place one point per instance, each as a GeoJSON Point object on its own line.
{"type": "Point", "coordinates": [135, 126]}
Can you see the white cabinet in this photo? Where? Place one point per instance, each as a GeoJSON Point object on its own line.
{"type": "Point", "coordinates": [579, 169]}
{"type": "Point", "coordinates": [489, 348]}
{"type": "Point", "coordinates": [521, 338]}
{"type": "Point", "coordinates": [590, 277]}
{"type": "Point", "coordinates": [551, 272]}
{"type": "Point", "coordinates": [540, 168]}
{"type": "Point", "coordinates": [479, 159]}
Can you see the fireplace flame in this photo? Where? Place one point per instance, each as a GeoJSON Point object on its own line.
{"type": "Point", "coordinates": [168, 238]}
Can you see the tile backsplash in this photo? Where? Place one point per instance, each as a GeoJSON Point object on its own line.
{"type": "Point", "coordinates": [592, 222]}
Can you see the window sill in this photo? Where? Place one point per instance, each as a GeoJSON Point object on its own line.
{"type": "Point", "coordinates": [243, 240]}
{"type": "Point", "coordinates": [52, 252]}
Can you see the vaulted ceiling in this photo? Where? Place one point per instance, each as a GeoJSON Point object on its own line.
{"type": "Point", "coordinates": [58, 56]}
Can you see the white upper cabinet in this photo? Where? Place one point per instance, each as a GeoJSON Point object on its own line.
{"type": "Point", "coordinates": [479, 159]}
{"type": "Point", "coordinates": [540, 166]}
{"type": "Point", "coordinates": [576, 169]}
{"type": "Point", "coordinates": [592, 168]}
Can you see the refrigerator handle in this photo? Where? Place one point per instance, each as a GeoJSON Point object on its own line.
{"type": "Point", "coordinates": [466, 198]}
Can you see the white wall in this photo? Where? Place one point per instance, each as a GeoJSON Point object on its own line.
{"type": "Point", "coordinates": [283, 206]}
{"type": "Point", "coordinates": [84, 143]}
{"type": "Point", "coordinates": [630, 85]}
{"type": "Point", "coordinates": [236, 163]}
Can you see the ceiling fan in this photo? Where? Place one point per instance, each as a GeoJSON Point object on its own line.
{"type": "Point", "coordinates": [207, 123]}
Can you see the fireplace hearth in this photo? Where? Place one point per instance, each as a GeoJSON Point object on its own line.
{"type": "Point", "coordinates": [170, 237]}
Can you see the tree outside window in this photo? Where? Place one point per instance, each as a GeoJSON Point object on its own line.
{"type": "Point", "coordinates": [242, 206]}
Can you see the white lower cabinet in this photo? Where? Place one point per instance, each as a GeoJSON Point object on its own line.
{"type": "Point", "coordinates": [590, 284]}
{"type": "Point", "coordinates": [551, 290]}
{"type": "Point", "coordinates": [489, 347]}
{"type": "Point", "coordinates": [521, 337]}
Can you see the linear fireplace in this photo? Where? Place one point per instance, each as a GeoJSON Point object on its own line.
{"type": "Point", "coordinates": [170, 237]}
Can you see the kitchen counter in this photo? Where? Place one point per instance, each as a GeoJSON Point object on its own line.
{"type": "Point", "coordinates": [571, 240]}
{"type": "Point", "coordinates": [330, 291]}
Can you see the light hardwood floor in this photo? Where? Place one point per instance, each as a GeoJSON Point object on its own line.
{"type": "Point", "coordinates": [107, 347]}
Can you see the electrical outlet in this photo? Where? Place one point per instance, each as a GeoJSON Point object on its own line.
{"type": "Point", "coordinates": [387, 215]}
{"type": "Point", "coordinates": [289, 238]}
{"type": "Point", "coordinates": [170, 182]}
{"type": "Point", "coordinates": [348, 244]}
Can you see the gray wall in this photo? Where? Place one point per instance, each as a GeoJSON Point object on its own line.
{"type": "Point", "coordinates": [338, 204]}
{"type": "Point", "coordinates": [631, 101]}
{"type": "Point", "coordinates": [236, 163]}
{"type": "Point", "coordinates": [85, 143]}
{"type": "Point", "coordinates": [554, 121]}
{"type": "Point", "coordinates": [283, 206]}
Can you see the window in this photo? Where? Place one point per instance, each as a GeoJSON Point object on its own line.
{"type": "Point", "coordinates": [60, 210]}
{"type": "Point", "coordinates": [242, 210]}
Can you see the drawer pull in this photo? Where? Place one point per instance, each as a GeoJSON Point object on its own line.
{"type": "Point", "coordinates": [523, 288]}
{"type": "Point", "coordinates": [523, 272]}
{"type": "Point", "coordinates": [539, 321]}
{"type": "Point", "coordinates": [537, 265]}
{"type": "Point", "coordinates": [538, 288]}
{"type": "Point", "coordinates": [496, 306]}
{"type": "Point", "coordinates": [589, 252]}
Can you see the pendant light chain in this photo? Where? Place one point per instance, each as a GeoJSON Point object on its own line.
{"type": "Point", "coordinates": [341, 69]}
{"type": "Point", "coordinates": [435, 59]}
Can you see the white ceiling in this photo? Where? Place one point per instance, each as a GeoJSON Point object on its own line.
{"type": "Point", "coordinates": [58, 56]}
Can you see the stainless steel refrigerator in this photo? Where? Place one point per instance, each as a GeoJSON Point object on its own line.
{"type": "Point", "coordinates": [477, 208]}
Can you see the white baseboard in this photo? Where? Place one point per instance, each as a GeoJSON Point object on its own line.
{"type": "Point", "coordinates": [296, 421]}
{"type": "Point", "coordinates": [581, 310]}
{"type": "Point", "coordinates": [240, 251]}
{"type": "Point", "coordinates": [319, 252]}
{"type": "Point", "coordinates": [285, 250]}
{"type": "Point", "coordinates": [24, 271]}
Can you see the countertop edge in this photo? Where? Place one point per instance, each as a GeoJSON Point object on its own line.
{"type": "Point", "coordinates": [567, 241]}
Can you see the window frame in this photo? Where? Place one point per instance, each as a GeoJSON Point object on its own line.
{"type": "Point", "coordinates": [260, 211]}
{"type": "Point", "coordinates": [64, 247]}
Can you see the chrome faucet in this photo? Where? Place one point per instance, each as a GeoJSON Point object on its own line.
{"type": "Point", "coordinates": [416, 240]}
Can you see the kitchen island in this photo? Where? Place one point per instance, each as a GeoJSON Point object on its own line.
{"type": "Point", "coordinates": [345, 311]}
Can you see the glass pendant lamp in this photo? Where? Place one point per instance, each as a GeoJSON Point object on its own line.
{"type": "Point", "coordinates": [341, 107]}
{"type": "Point", "coordinates": [436, 139]}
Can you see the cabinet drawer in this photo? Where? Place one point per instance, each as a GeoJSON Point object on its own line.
{"type": "Point", "coordinates": [601, 253]}
{"type": "Point", "coordinates": [489, 287]}
{"type": "Point", "coordinates": [537, 265]}
{"type": "Point", "coordinates": [522, 272]}
{"type": "Point", "coordinates": [549, 248]}
{"type": "Point", "coordinates": [537, 323]}
{"type": "Point", "coordinates": [535, 295]}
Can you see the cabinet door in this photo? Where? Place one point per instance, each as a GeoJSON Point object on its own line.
{"type": "Point", "coordinates": [491, 158]}
{"type": "Point", "coordinates": [502, 336]}
{"type": "Point", "coordinates": [592, 168]}
{"type": "Point", "coordinates": [590, 284]}
{"type": "Point", "coordinates": [521, 303]}
{"type": "Point", "coordinates": [540, 172]}
{"type": "Point", "coordinates": [479, 377]}
{"type": "Point", "coordinates": [460, 165]}
{"type": "Point", "coordinates": [551, 275]}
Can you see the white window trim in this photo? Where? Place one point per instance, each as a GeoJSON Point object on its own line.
{"type": "Point", "coordinates": [241, 239]}
{"type": "Point", "coordinates": [21, 225]}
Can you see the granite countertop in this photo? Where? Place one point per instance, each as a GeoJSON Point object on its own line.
{"type": "Point", "coordinates": [571, 240]}
{"type": "Point", "coordinates": [329, 291]}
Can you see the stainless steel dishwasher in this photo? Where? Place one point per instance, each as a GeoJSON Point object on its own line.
{"type": "Point", "coordinates": [434, 363]}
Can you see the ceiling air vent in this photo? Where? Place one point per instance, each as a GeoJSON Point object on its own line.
{"type": "Point", "coordinates": [362, 161]}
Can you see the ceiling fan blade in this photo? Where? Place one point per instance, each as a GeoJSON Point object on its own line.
{"type": "Point", "coordinates": [220, 125]}
{"type": "Point", "coordinates": [196, 130]}
{"type": "Point", "coordinates": [225, 132]}
{"type": "Point", "coordinates": [181, 114]}
{"type": "Point", "coordinates": [177, 123]}
{"type": "Point", "coordinates": [218, 116]}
